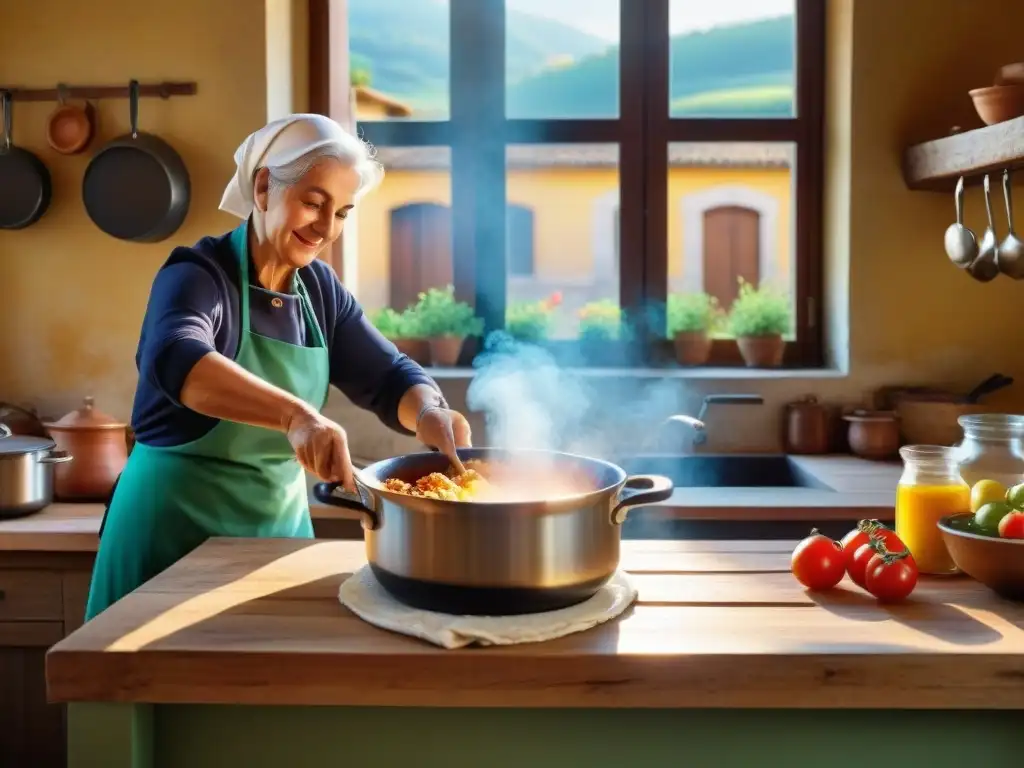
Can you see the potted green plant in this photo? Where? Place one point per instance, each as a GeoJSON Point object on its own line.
{"type": "Point", "coordinates": [691, 318]}
{"type": "Point", "coordinates": [445, 323]}
{"type": "Point", "coordinates": [530, 321]}
{"type": "Point", "coordinates": [403, 330]}
{"type": "Point", "coordinates": [600, 321]}
{"type": "Point", "coordinates": [758, 319]}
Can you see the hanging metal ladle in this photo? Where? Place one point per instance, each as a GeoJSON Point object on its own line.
{"type": "Point", "coordinates": [961, 244]}
{"type": "Point", "coordinates": [1011, 250]}
{"type": "Point", "coordinates": [986, 267]}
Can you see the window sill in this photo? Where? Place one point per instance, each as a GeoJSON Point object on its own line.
{"type": "Point", "coordinates": [709, 373]}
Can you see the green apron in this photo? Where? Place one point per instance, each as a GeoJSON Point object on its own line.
{"type": "Point", "coordinates": [236, 480]}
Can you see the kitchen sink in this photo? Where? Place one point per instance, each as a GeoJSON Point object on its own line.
{"type": "Point", "coordinates": [724, 471]}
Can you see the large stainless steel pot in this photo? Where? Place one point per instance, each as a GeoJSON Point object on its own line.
{"type": "Point", "coordinates": [495, 558]}
{"type": "Point", "coordinates": [26, 472]}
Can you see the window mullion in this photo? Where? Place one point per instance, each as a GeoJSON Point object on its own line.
{"type": "Point", "coordinates": [478, 154]}
{"type": "Point", "coordinates": [653, 54]}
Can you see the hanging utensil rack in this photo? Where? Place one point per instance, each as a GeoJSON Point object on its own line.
{"type": "Point", "coordinates": [163, 90]}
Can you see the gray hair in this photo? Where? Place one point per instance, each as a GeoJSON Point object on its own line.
{"type": "Point", "coordinates": [354, 153]}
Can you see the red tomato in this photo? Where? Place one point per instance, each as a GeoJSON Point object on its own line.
{"type": "Point", "coordinates": [818, 562]}
{"type": "Point", "coordinates": [859, 536]}
{"type": "Point", "coordinates": [857, 563]}
{"type": "Point", "coordinates": [1012, 525]}
{"type": "Point", "coordinates": [852, 541]}
{"type": "Point", "coordinates": [890, 577]}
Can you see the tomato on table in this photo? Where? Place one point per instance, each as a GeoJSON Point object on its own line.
{"type": "Point", "coordinates": [889, 575]}
{"type": "Point", "coordinates": [860, 536]}
{"type": "Point", "coordinates": [857, 563]}
{"type": "Point", "coordinates": [818, 562]}
{"type": "Point", "coordinates": [891, 580]}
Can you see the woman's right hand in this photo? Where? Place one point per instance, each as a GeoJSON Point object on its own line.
{"type": "Point", "coordinates": [321, 446]}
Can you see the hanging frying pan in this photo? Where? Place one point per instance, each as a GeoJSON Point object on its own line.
{"type": "Point", "coordinates": [25, 187]}
{"type": "Point", "coordinates": [137, 186]}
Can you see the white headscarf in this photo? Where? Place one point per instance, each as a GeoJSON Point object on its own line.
{"type": "Point", "coordinates": [283, 141]}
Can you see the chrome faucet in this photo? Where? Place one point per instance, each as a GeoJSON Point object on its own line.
{"type": "Point", "coordinates": [697, 424]}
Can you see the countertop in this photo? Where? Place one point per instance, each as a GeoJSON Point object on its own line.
{"type": "Point", "coordinates": [859, 489]}
{"type": "Point", "coordinates": [718, 624]}
{"type": "Point", "coordinates": [75, 527]}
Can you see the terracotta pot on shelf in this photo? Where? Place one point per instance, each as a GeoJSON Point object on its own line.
{"type": "Point", "coordinates": [806, 427]}
{"type": "Point", "coordinates": [762, 351]}
{"type": "Point", "coordinates": [998, 103]}
{"type": "Point", "coordinates": [99, 444]}
{"type": "Point", "coordinates": [873, 434]}
{"type": "Point", "coordinates": [692, 347]}
{"type": "Point", "coordinates": [444, 350]}
{"type": "Point", "coordinates": [418, 350]}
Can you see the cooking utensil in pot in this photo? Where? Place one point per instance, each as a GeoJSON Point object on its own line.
{"type": "Point", "coordinates": [1011, 250]}
{"type": "Point", "coordinates": [69, 129]}
{"type": "Point", "coordinates": [961, 244]}
{"type": "Point", "coordinates": [25, 186]}
{"type": "Point", "coordinates": [986, 267]}
{"type": "Point", "coordinates": [137, 187]}
{"type": "Point", "coordinates": [496, 557]}
{"type": "Point", "coordinates": [993, 383]}
{"type": "Point", "coordinates": [26, 473]}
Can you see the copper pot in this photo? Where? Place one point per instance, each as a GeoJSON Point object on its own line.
{"type": "Point", "coordinates": [873, 434]}
{"type": "Point", "coordinates": [70, 128]}
{"type": "Point", "coordinates": [806, 427]}
{"type": "Point", "coordinates": [100, 447]}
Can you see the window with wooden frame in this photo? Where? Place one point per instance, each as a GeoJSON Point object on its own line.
{"type": "Point", "coordinates": [652, 148]}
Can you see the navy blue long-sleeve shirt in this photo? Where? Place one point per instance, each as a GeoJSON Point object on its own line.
{"type": "Point", "coordinates": [194, 309]}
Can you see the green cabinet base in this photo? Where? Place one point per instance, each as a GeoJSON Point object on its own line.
{"type": "Point", "coordinates": [147, 736]}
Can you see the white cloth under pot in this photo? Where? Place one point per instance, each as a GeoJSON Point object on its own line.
{"type": "Point", "coordinates": [362, 594]}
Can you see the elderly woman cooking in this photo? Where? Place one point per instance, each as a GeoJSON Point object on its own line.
{"type": "Point", "coordinates": [242, 336]}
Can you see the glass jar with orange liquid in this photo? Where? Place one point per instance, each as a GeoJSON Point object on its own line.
{"type": "Point", "coordinates": [929, 489]}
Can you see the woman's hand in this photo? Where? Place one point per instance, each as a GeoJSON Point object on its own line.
{"type": "Point", "coordinates": [321, 446]}
{"type": "Point", "coordinates": [443, 429]}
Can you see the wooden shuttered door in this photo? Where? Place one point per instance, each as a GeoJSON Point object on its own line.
{"type": "Point", "coordinates": [732, 249]}
{"type": "Point", "coordinates": [421, 251]}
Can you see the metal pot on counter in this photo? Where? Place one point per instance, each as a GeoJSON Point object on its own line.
{"type": "Point", "coordinates": [26, 472]}
{"type": "Point", "coordinates": [495, 557]}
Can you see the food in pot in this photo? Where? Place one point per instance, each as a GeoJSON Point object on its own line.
{"type": "Point", "coordinates": [448, 487]}
{"type": "Point", "coordinates": [491, 481]}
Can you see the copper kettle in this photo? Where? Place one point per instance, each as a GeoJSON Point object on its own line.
{"type": "Point", "coordinates": [100, 447]}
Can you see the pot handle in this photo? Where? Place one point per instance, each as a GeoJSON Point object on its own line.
{"type": "Point", "coordinates": [5, 431]}
{"type": "Point", "coordinates": [56, 457]}
{"type": "Point", "coordinates": [336, 496]}
{"type": "Point", "coordinates": [640, 490]}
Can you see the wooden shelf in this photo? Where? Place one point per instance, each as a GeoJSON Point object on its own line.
{"type": "Point", "coordinates": [936, 165]}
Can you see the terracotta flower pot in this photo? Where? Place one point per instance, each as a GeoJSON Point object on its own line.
{"type": "Point", "coordinates": [692, 347]}
{"type": "Point", "coordinates": [417, 349]}
{"type": "Point", "coordinates": [444, 350]}
{"type": "Point", "coordinates": [762, 351]}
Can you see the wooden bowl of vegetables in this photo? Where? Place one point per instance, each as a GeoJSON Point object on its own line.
{"type": "Point", "coordinates": [993, 557]}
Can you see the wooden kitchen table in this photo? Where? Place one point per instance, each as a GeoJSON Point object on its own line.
{"type": "Point", "coordinates": [724, 661]}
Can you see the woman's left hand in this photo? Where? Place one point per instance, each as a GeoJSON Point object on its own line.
{"type": "Point", "coordinates": [443, 429]}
